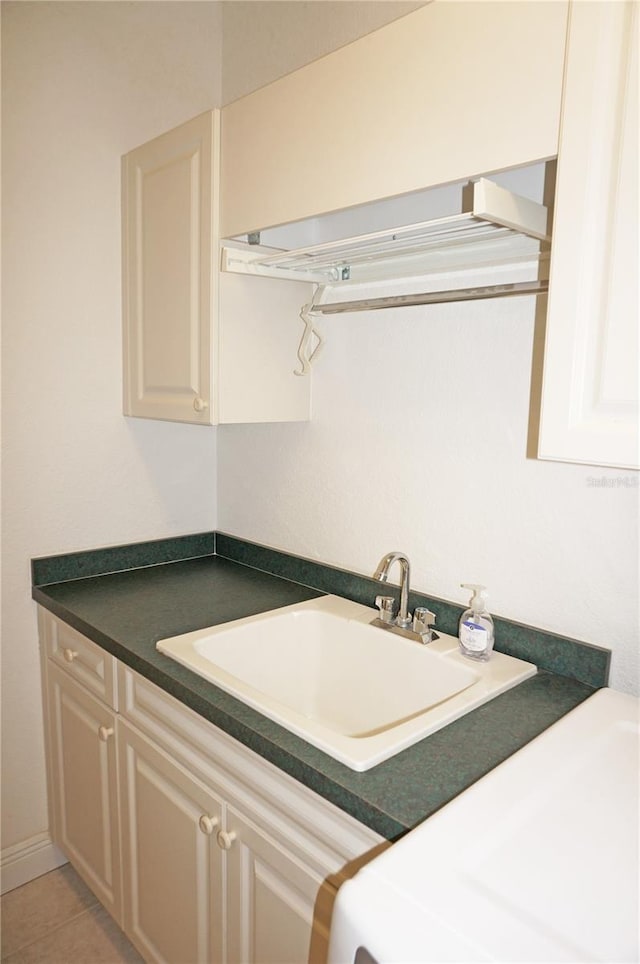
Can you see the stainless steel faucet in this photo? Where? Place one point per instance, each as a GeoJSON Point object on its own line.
{"type": "Point", "coordinates": [417, 626]}
{"type": "Point", "coordinates": [382, 574]}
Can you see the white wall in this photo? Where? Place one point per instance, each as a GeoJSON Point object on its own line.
{"type": "Point", "coordinates": [82, 84]}
{"type": "Point", "coordinates": [418, 443]}
{"type": "Point", "coordinates": [264, 41]}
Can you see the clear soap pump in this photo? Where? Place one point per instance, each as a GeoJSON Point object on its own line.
{"type": "Point", "coordinates": [476, 625]}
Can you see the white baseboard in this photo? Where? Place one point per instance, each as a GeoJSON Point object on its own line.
{"type": "Point", "coordinates": [27, 860]}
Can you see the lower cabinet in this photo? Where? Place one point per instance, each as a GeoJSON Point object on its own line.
{"type": "Point", "coordinates": [202, 851]}
{"type": "Point", "coordinates": [271, 899]}
{"type": "Point", "coordinates": [172, 865]}
{"type": "Point", "coordinates": [84, 801]}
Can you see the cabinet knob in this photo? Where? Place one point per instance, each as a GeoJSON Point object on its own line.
{"type": "Point", "coordinates": [69, 655]}
{"type": "Point", "coordinates": [199, 404]}
{"type": "Point", "coordinates": [226, 839]}
{"type": "Point", "coordinates": [207, 824]}
{"type": "Point", "coordinates": [104, 732]}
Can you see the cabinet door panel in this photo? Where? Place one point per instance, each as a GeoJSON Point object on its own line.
{"type": "Point", "coordinates": [84, 778]}
{"type": "Point", "coordinates": [590, 390]}
{"type": "Point", "coordinates": [169, 237]}
{"type": "Point", "coordinates": [391, 114]}
{"type": "Point", "coordinates": [274, 901]}
{"type": "Point", "coordinates": [173, 875]}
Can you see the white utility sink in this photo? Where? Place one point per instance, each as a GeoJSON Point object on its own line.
{"type": "Point", "coordinates": [357, 692]}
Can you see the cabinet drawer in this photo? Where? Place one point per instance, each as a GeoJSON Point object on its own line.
{"type": "Point", "coordinates": [81, 658]}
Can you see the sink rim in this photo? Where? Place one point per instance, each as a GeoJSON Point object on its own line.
{"type": "Point", "coordinates": [358, 753]}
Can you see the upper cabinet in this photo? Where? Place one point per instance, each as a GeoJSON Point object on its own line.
{"type": "Point", "coordinates": [589, 409]}
{"type": "Point", "coordinates": [446, 93]}
{"type": "Point", "coordinates": [169, 233]}
{"type": "Point", "coordinates": [197, 347]}
{"type": "Point", "coordinates": [449, 92]}
{"type": "Point", "coordinates": [341, 174]}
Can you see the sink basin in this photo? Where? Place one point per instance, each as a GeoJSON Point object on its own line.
{"type": "Point", "coordinates": [357, 692]}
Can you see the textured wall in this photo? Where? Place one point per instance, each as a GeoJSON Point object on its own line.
{"type": "Point", "coordinates": [264, 41]}
{"type": "Point", "coordinates": [418, 443]}
{"type": "Point", "coordinates": [82, 84]}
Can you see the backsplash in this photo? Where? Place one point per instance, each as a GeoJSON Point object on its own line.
{"type": "Point", "coordinates": [557, 654]}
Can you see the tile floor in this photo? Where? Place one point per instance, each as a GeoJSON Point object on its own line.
{"type": "Point", "coordinates": [55, 919]}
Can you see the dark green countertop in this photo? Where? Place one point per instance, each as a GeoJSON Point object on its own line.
{"type": "Point", "coordinates": [127, 612]}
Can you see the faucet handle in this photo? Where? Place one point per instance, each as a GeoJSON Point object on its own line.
{"type": "Point", "coordinates": [385, 604]}
{"type": "Point", "coordinates": [423, 619]}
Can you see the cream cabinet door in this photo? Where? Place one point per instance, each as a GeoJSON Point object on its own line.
{"type": "Point", "coordinates": [199, 346]}
{"type": "Point", "coordinates": [169, 241]}
{"type": "Point", "coordinates": [451, 91]}
{"type": "Point", "coordinates": [172, 878]}
{"type": "Point", "coordinates": [278, 907]}
{"type": "Point", "coordinates": [83, 772]}
{"type": "Point", "coordinates": [589, 410]}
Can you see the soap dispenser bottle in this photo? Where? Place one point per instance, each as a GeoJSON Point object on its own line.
{"type": "Point", "coordinates": [476, 626]}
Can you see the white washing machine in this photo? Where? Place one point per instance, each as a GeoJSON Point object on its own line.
{"type": "Point", "coordinates": [536, 862]}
